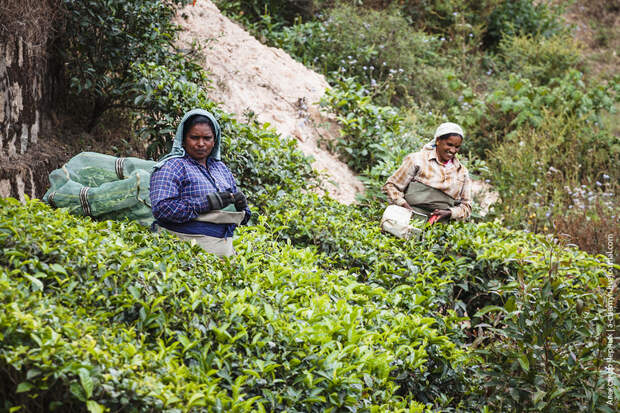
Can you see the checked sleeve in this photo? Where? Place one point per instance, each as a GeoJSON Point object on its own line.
{"type": "Point", "coordinates": [166, 200]}
{"type": "Point", "coordinates": [396, 184]}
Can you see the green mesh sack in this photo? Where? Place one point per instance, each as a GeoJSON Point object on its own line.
{"type": "Point", "coordinates": [103, 187]}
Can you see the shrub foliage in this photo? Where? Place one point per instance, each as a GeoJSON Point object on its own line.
{"type": "Point", "coordinates": [102, 41]}
{"type": "Point", "coordinates": [317, 311]}
{"type": "Point", "coordinates": [320, 311]}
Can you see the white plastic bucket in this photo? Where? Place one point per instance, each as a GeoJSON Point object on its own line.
{"type": "Point", "coordinates": [395, 220]}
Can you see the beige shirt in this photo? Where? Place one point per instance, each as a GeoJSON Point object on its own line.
{"type": "Point", "coordinates": [423, 166]}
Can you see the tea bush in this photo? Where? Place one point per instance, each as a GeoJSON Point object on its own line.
{"type": "Point", "coordinates": [136, 321]}
{"type": "Point", "coordinates": [102, 40]}
{"type": "Point", "coordinates": [368, 133]}
{"type": "Point", "coordinates": [318, 310]}
{"type": "Point", "coordinates": [481, 272]}
{"type": "Point", "coordinates": [545, 352]}
{"type": "Point", "coordinates": [547, 335]}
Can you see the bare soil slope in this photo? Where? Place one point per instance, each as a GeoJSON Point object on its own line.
{"type": "Point", "coordinates": [249, 77]}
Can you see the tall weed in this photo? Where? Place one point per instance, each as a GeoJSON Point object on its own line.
{"type": "Point", "coordinates": [516, 102]}
{"type": "Point", "coordinates": [592, 218]}
{"type": "Point", "coordinates": [378, 48]}
{"type": "Point", "coordinates": [435, 16]}
{"type": "Point", "coordinates": [520, 17]}
{"type": "Point", "coordinates": [556, 173]}
{"type": "Point", "coordinates": [282, 11]}
{"type": "Point", "coordinates": [541, 59]}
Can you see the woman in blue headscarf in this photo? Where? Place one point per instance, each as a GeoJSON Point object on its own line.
{"type": "Point", "coordinates": [193, 193]}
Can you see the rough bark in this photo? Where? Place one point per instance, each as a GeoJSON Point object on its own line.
{"type": "Point", "coordinates": [25, 31]}
{"type": "Point", "coordinates": [21, 83]}
{"type": "Point", "coordinates": [18, 179]}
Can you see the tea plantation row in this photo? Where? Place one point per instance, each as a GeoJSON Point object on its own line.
{"type": "Point", "coordinates": [319, 311]}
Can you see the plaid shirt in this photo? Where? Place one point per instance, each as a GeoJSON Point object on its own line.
{"type": "Point", "coordinates": [179, 194]}
{"type": "Point", "coordinates": [424, 167]}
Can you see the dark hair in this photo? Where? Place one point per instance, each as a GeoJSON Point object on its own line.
{"type": "Point", "coordinates": [447, 135]}
{"type": "Point", "coordinates": [195, 120]}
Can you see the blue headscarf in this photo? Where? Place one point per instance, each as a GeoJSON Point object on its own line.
{"type": "Point", "coordinates": [177, 150]}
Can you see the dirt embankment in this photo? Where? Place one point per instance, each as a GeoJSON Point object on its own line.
{"type": "Point", "coordinates": [249, 77]}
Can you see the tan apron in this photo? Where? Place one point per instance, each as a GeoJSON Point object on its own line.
{"type": "Point", "coordinates": [222, 216]}
{"type": "Point", "coordinates": [222, 247]}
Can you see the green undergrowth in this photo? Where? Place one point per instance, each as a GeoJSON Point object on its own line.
{"type": "Point", "coordinates": [532, 305]}
{"type": "Point", "coordinates": [319, 311]}
{"type": "Point", "coordinates": [105, 315]}
{"type": "Point", "coordinates": [506, 71]}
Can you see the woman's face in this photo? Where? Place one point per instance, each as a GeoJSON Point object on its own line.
{"type": "Point", "coordinates": [447, 148]}
{"type": "Point", "coordinates": [199, 141]}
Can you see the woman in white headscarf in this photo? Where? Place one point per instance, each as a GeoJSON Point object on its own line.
{"type": "Point", "coordinates": [432, 182]}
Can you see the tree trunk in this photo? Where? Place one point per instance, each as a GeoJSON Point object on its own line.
{"type": "Point", "coordinates": [21, 92]}
{"type": "Point", "coordinates": [25, 30]}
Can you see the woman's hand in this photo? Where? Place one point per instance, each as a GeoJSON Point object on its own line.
{"type": "Point", "coordinates": [219, 200]}
{"type": "Point", "coordinates": [240, 200]}
{"type": "Point", "coordinates": [443, 214]}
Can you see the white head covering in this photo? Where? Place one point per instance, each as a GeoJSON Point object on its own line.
{"type": "Point", "coordinates": [445, 129]}
{"type": "Point", "coordinates": [448, 128]}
